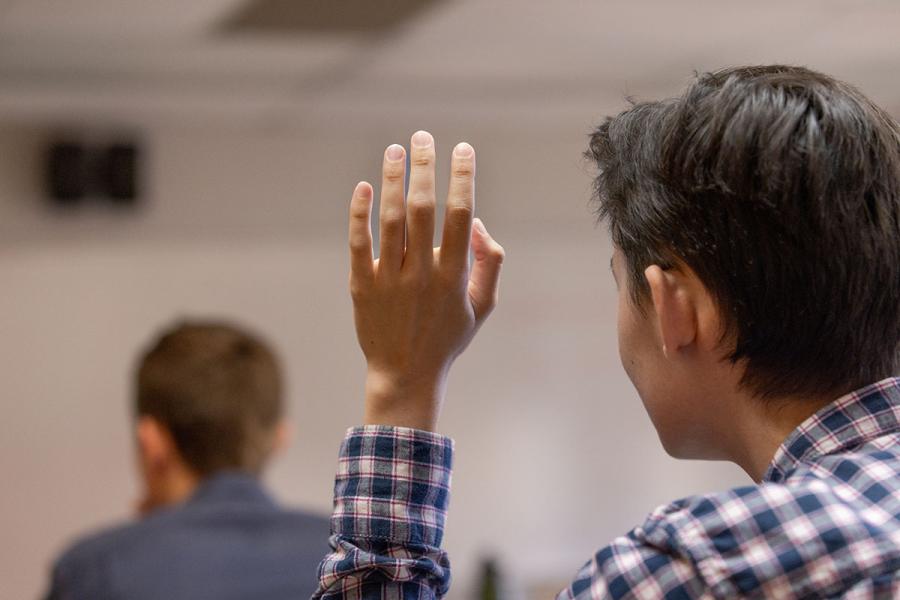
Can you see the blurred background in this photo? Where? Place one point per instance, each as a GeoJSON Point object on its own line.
{"type": "Point", "coordinates": [225, 138]}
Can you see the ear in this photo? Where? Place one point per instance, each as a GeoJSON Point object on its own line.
{"type": "Point", "coordinates": [155, 443]}
{"type": "Point", "coordinates": [675, 307]}
{"type": "Point", "coordinates": [284, 436]}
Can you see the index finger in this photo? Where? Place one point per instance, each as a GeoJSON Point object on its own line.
{"type": "Point", "coordinates": [460, 209]}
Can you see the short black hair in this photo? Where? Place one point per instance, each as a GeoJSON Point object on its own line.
{"type": "Point", "coordinates": [780, 188]}
{"type": "Point", "coordinates": [217, 388]}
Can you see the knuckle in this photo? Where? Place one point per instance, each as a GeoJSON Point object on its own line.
{"type": "Point", "coordinates": [359, 213]}
{"type": "Point", "coordinates": [391, 217]}
{"type": "Point", "coordinates": [416, 278]}
{"type": "Point", "coordinates": [420, 207]}
{"type": "Point", "coordinates": [391, 232]}
{"type": "Point", "coordinates": [459, 213]}
{"type": "Point", "coordinates": [357, 292]}
{"type": "Point", "coordinates": [422, 159]}
{"type": "Point", "coordinates": [498, 253]}
{"type": "Point", "coordinates": [464, 171]}
{"type": "Point", "coordinates": [393, 174]}
{"type": "Point", "coordinates": [359, 245]}
{"type": "Point", "coordinates": [462, 205]}
{"type": "Point", "coordinates": [488, 305]}
{"type": "Point", "coordinates": [452, 275]}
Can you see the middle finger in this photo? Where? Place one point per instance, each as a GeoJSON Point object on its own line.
{"type": "Point", "coordinates": [392, 213]}
{"type": "Point", "coordinates": [420, 202]}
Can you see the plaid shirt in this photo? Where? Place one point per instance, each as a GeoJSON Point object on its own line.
{"type": "Point", "coordinates": [824, 522]}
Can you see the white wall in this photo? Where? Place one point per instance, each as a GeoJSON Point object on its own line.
{"type": "Point", "coordinates": [555, 455]}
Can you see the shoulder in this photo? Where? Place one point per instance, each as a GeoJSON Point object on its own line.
{"type": "Point", "coordinates": [93, 547]}
{"type": "Point", "coordinates": [99, 546]}
{"type": "Point", "coordinates": [724, 522]}
{"type": "Point", "coordinates": [82, 569]}
{"type": "Point", "coordinates": [766, 539]}
{"type": "Point", "coordinates": [116, 541]}
{"type": "Point", "coordinates": [769, 537]}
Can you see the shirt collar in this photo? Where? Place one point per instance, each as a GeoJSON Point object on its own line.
{"type": "Point", "coordinates": [848, 422]}
{"type": "Point", "coordinates": [232, 487]}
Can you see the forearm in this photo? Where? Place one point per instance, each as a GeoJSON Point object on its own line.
{"type": "Point", "coordinates": [415, 310]}
{"type": "Point", "coordinates": [391, 496]}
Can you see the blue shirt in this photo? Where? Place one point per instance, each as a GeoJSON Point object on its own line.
{"type": "Point", "coordinates": [230, 540]}
{"type": "Point", "coordinates": [824, 522]}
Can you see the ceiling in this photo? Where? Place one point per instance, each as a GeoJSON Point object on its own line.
{"type": "Point", "coordinates": [170, 59]}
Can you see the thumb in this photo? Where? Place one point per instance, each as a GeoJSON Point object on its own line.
{"type": "Point", "coordinates": [484, 281]}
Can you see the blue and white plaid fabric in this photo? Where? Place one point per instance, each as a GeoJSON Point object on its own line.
{"type": "Point", "coordinates": [824, 522]}
{"type": "Point", "coordinates": [390, 502]}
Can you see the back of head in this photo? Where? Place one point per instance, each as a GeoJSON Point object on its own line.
{"type": "Point", "coordinates": [780, 188]}
{"type": "Point", "coordinates": [218, 391]}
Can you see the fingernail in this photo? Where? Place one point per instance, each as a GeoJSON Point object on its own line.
{"type": "Point", "coordinates": [479, 226]}
{"type": "Point", "coordinates": [422, 139]}
{"type": "Point", "coordinates": [463, 150]}
{"type": "Point", "coordinates": [394, 152]}
{"type": "Point", "coordinates": [362, 189]}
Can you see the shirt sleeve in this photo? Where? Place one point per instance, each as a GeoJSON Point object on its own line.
{"type": "Point", "coordinates": [632, 567]}
{"type": "Point", "coordinates": [390, 503]}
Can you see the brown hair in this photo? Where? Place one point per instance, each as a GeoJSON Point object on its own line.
{"type": "Point", "coordinates": [780, 188]}
{"type": "Point", "coordinates": [218, 390]}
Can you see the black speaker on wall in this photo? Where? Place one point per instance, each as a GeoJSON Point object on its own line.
{"type": "Point", "coordinates": [67, 172]}
{"type": "Point", "coordinates": [75, 171]}
{"type": "Point", "coordinates": [120, 171]}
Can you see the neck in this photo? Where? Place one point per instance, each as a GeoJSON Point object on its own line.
{"type": "Point", "coordinates": [762, 427]}
{"type": "Point", "coordinates": [174, 486]}
{"type": "Point", "coordinates": [181, 485]}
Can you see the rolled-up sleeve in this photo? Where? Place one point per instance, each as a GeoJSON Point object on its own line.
{"type": "Point", "coordinates": [390, 502]}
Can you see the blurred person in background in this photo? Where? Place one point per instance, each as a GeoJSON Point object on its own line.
{"type": "Point", "coordinates": [756, 230]}
{"type": "Point", "coordinates": [209, 417]}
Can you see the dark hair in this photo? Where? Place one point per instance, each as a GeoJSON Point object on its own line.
{"type": "Point", "coordinates": [780, 188]}
{"type": "Point", "coordinates": [217, 389]}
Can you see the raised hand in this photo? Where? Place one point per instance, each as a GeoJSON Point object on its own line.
{"type": "Point", "coordinates": [417, 307]}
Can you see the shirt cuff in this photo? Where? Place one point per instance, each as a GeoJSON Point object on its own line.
{"type": "Point", "coordinates": [393, 484]}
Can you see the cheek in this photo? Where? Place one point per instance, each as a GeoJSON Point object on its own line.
{"type": "Point", "coordinates": [649, 372]}
{"type": "Point", "coordinates": [627, 328]}
{"type": "Point", "coordinates": [637, 351]}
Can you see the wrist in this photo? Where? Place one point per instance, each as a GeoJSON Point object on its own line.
{"type": "Point", "coordinates": [402, 400]}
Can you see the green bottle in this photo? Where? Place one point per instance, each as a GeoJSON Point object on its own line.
{"type": "Point", "coordinates": [490, 580]}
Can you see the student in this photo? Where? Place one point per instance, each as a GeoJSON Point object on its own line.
{"type": "Point", "coordinates": [209, 416]}
{"type": "Point", "coordinates": [756, 225]}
